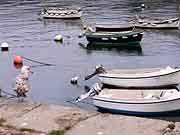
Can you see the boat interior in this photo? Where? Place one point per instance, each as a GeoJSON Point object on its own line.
{"type": "Point", "coordinates": [138, 95]}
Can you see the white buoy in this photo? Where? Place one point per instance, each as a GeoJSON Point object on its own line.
{"type": "Point", "coordinates": [58, 38]}
{"type": "Point", "coordinates": [74, 80]}
{"type": "Point", "coordinates": [143, 6]}
{"type": "Point", "coordinates": [4, 46]}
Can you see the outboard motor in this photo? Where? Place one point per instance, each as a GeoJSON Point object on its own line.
{"type": "Point", "coordinates": [98, 70]}
{"type": "Point", "coordinates": [95, 90]}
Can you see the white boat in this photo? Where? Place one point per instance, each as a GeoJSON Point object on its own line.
{"type": "Point", "coordinates": [61, 13]}
{"type": "Point", "coordinates": [157, 24]}
{"type": "Point", "coordinates": [139, 78]}
{"type": "Point", "coordinates": [137, 102]}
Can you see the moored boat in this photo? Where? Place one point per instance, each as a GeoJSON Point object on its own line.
{"type": "Point", "coordinates": [139, 78]}
{"type": "Point", "coordinates": [157, 24]}
{"type": "Point", "coordinates": [114, 37]}
{"type": "Point", "coordinates": [61, 13]}
{"type": "Point", "coordinates": [136, 102]}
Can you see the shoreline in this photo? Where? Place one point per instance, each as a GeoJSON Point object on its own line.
{"type": "Point", "coordinates": [48, 118]}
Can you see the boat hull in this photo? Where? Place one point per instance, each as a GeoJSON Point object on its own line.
{"type": "Point", "coordinates": [114, 38]}
{"type": "Point", "coordinates": [156, 81]}
{"type": "Point", "coordinates": [61, 13]}
{"type": "Point", "coordinates": [78, 16]}
{"type": "Point", "coordinates": [136, 107]}
{"type": "Point", "coordinates": [114, 28]}
{"type": "Point", "coordinates": [166, 24]}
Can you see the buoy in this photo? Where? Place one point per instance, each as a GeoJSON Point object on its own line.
{"type": "Point", "coordinates": [58, 38]}
{"type": "Point", "coordinates": [74, 80]}
{"type": "Point", "coordinates": [4, 46]}
{"type": "Point", "coordinates": [18, 62]}
{"type": "Point", "coordinates": [143, 6]}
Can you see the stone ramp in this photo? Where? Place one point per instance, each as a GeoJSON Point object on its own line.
{"type": "Point", "coordinates": [74, 121]}
{"type": "Point", "coordinates": [41, 117]}
{"type": "Point", "coordinates": [51, 117]}
{"type": "Point", "coordinates": [108, 124]}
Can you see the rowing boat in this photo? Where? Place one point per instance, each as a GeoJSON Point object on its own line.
{"type": "Point", "coordinates": [172, 23]}
{"type": "Point", "coordinates": [61, 13]}
{"type": "Point", "coordinates": [139, 78]}
{"type": "Point", "coordinates": [138, 102]}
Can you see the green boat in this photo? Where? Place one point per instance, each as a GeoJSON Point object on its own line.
{"type": "Point", "coordinates": [125, 38]}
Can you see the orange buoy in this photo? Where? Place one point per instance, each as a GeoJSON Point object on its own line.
{"type": "Point", "coordinates": [18, 61]}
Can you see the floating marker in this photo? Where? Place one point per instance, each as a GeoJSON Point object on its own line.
{"type": "Point", "coordinates": [4, 46]}
{"type": "Point", "coordinates": [74, 80]}
{"type": "Point", "coordinates": [143, 6]}
{"type": "Point", "coordinates": [58, 38]}
{"type": "Point", "coordinates": [18, 62]}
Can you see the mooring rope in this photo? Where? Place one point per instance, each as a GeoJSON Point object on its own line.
{"type": "Point", "coordinates": [7, 93]}
{"type": "Point", "coordinates": [35, 61]}
{"type": "Point", "coordinates": [76, 103]}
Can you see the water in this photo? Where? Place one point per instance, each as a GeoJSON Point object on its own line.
{"type": "Point", "coordinates": [31, 37]}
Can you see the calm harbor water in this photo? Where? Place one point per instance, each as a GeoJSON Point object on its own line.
{"type": "Point", "coordinates": [31, 37]}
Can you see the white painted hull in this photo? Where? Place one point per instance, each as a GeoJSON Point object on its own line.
{"type": "Point", "coordinates": [158, 26]}
{"type": "Point", "coordinates": [164, 24]}
{"type": "Point", "coordinates": [144, 106]}
{"type": "Point", "coordinates": [76, 16]}
{"type": "Point", "coordinates": [61, 15]}
{"type": "Point", "coordinates": [145, 80]}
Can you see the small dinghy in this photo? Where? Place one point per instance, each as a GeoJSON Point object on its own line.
{"type": "Point", "coordinates": [115, 38]}
{"type": "Point", "coordinates": [138, 78]}
{"type": "Point", "coordinates": [138, 102]}
{"type": "Point", "coordinates": [61, 13]}
{"type": "Point", "coordinates": [157, 24]}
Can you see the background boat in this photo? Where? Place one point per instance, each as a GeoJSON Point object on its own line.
{"type": "Point", "coordinates": [157, 24]}
{"type": "Point", "coordinates": [61, 13]}
{"type": "Point", "coordinates": [114, 38]}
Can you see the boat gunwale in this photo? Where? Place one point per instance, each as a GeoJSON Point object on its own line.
{"type": "Point", "coordinates": [115, 34]}
{"type": "Point", "coordinates": [105, 75]}
{"type": "Point", "coordinates": [126, 101]}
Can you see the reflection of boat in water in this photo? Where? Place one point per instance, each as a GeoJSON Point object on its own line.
{"type": "Point", "coordinates": [130, 46]}
{"type": "Point", "coordinates": [137, 49]}
{"type": "Point", "coordinates": [61, 13]}
{"type": "Point", "coordinates": [63, 23]}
